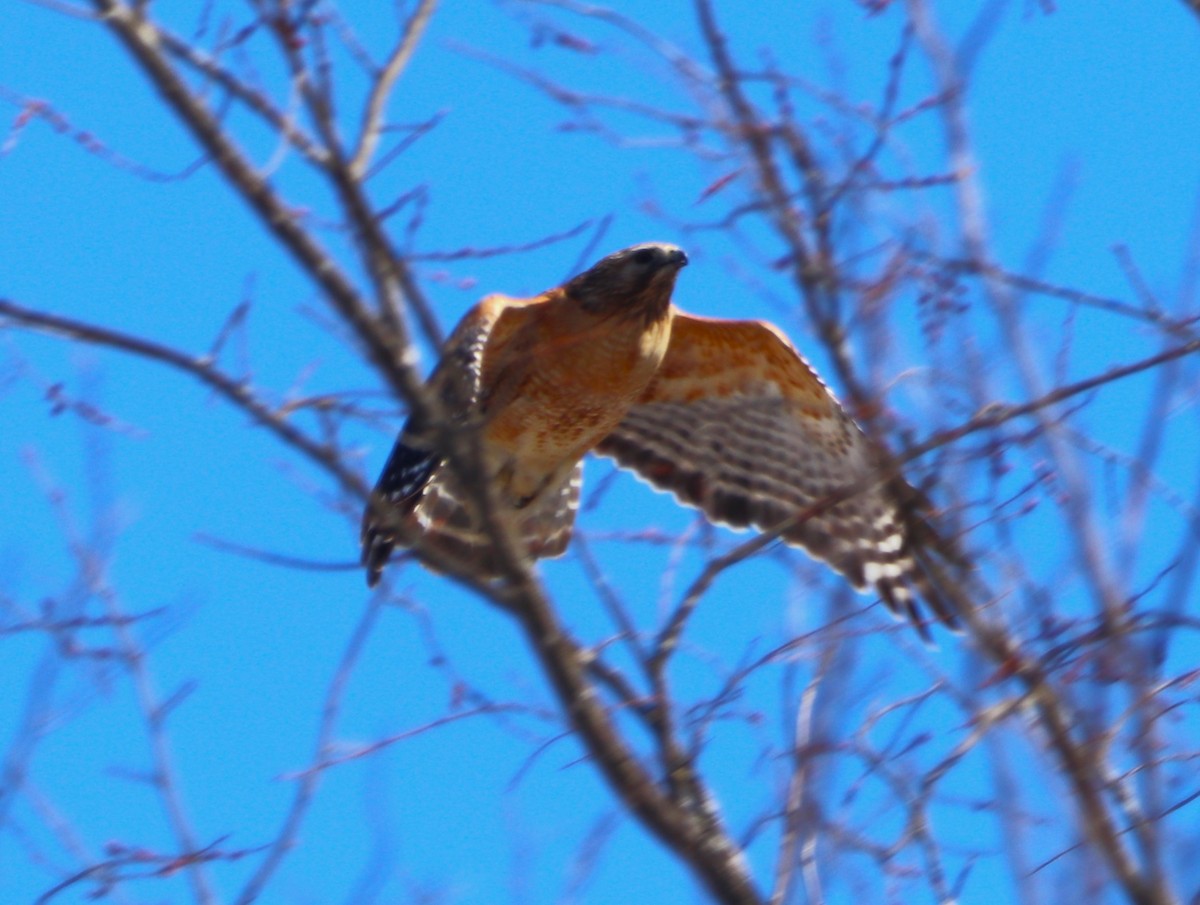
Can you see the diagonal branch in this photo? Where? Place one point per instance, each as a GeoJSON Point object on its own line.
{"type": "Point", "coordinates": [389, 350]}
{"type": "Point", "coordinates": [254, 100]}
{"type": "Point", "coordinates": [368, 138]}
{"type": "Point", "coordinates": [231, 389]}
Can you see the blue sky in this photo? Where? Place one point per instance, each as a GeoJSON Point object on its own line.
{"type": "Point", "coordinates": [1097, 97]}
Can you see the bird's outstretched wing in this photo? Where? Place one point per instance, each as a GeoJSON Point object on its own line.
{"type": "Point", "coordinates": [738, 425]}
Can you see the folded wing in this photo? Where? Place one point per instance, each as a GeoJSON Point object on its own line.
{"type": "Point", "coordinates": [416, 499]}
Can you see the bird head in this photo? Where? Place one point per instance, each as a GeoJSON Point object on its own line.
{"type": "Point", "coordinates": [636, 281]}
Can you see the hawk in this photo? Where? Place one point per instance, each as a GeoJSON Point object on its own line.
{"type": "Point", "coordinates": [724, 414]}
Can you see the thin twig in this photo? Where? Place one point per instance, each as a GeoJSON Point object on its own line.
{"type": "Point", "coordinates": [306, 785]}
{"type": "Point", "coordinates": [368, 137]}
{"type": "Point", "coordinates": [234, 391]}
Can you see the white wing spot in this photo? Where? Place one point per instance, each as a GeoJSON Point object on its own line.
{"type": "Point", "coordinates": [874, 572]}
{"type": "Point", "coordinates": [890, 544]}
{"type": "Point", "coordinates": [883, 520]}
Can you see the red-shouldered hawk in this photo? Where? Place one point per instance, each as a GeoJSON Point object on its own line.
{"type": "Point", "coordinates": [724, 414]}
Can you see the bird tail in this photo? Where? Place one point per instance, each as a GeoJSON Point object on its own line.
{"type": "Point", "coordinates": [443, 522]}
{"type": "Point", "coordinates": [939, 573]}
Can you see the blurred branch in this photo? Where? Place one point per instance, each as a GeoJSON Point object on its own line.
{"type": "Point", "coordinates": [810, 254]}
{"type": "Point", "coordinates": [386, 340]}
{"type": "Point", "coordinates": [164, 778]}
{"type": "Point", "coordinates": [687, 68]}
{"type": "Point", "coordinates": [1082, 764]}
{"type": "Point", "coordinates": [368, 137]}
{"type": "Point", "coordinates": [63, 7]}
{"type": "Point", "coordinates": [277, 559]}
{"type": "Point", "coordinates": [389, 351]}
{"type": "Point", "coordinates": [306, 784]}
{"type": "Point", "coordinates": [1181, 328]}
{"type": "Point", "coordinates": [798, 840]}
{"type": "Point", "coordinates": [579, 102]}
{"type": "Point", "coordinates": [396, 290]}
{"type": "Point", "coordinates": [231, 389]}
{"type": "Point", "coordinates": [255, 100]}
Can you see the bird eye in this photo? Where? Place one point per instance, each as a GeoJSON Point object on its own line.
{"type": "Point", "coordinates": [645, 256]}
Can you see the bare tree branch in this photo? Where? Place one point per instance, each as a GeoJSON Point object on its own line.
{"type": "Point", "coordinates": [234, 391]}
{"type": "Point", "coordinates": [389, 351]}
{"type": "Point", "coordinates": [368, 137]}
{"type": "Point", "coordinates": [814, 198]}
